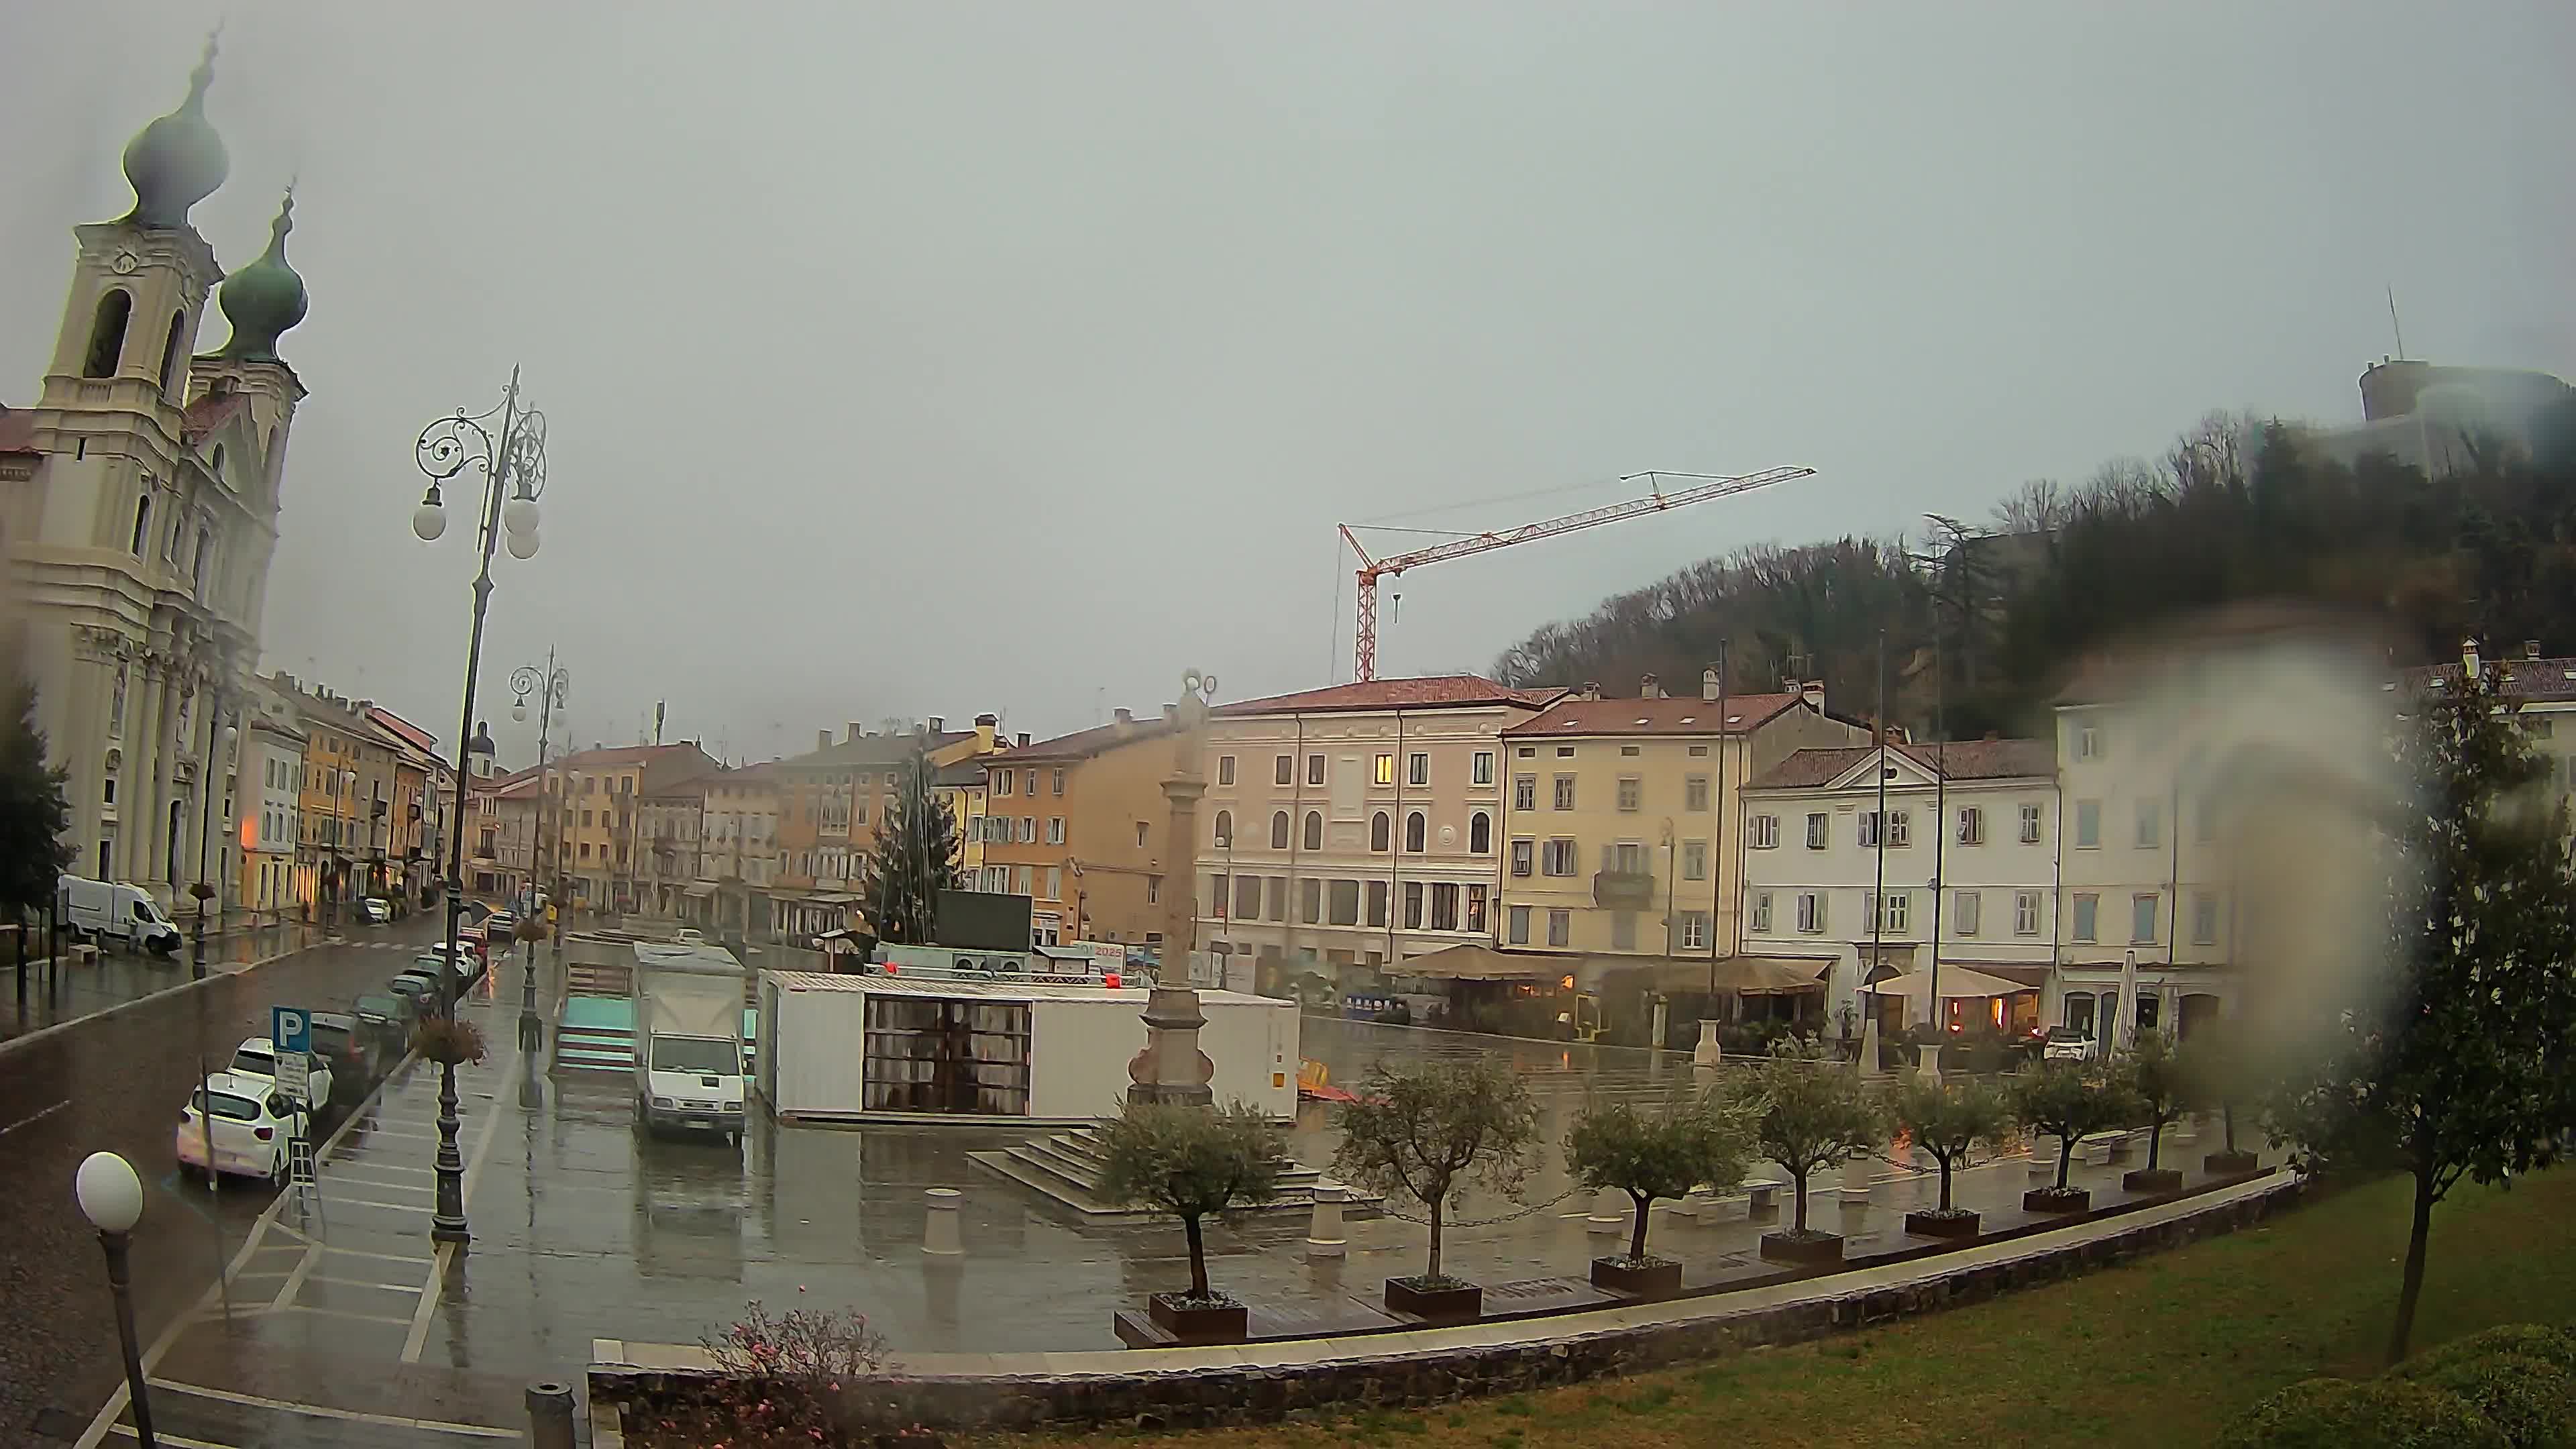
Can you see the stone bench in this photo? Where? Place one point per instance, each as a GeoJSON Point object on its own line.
{"type": "Point", "coordinates": [1761, 1195]}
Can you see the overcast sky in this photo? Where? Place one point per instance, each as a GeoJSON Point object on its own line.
{"type": "Point", "coordinates": [930, 359]}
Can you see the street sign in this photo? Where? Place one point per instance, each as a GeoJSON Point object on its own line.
{"type": "Point", "coordinates": [290, 1030]}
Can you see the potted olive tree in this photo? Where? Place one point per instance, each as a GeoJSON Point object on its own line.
{"type": "Point", "coordinates": [1648, 1155]}
{"type": "Point", "coordinates": [1192, 1163]}
{"type": "Point", "coordinates": [2160, 1090]}
{"type": "Point", "coordinates": [2073, 1100]}
{"type": "Point", "coordinates": [1418, 1133]}
{"type": "Point", "coordinates": [1948, 1119]}
{"type": "Point", "coordinates": [1813, 1115]}
{"type": "Point", "coordinates": [2214, 1061]}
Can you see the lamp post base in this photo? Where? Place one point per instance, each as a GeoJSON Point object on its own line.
{"type": "Point", "coordinates": [447, 1223]}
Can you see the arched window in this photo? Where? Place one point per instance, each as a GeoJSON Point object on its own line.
{"type": "Point", "coordinates": [1413, 831]}
{"type": "Point", "coordinates": [1314, 830]}
{"type": "Point", "coordinates": [215, 465]}
{"type": "Point", "coordinates": [142, 524]}
{"type": "Point", "coordinates": [170, 381]}
{"type": "Point", "coordinates": [107, 334]}
{"type": "Point", "coordinates": [1224, 828]}
{"type": "Point", "coordinates": [1480, 833]}
{"type": "Point", "coordinates": [1279, 831]}
{"type": "Point", "coordinates": [1378, 831]}
{"type": "Point", "coordinates": [205, 547]}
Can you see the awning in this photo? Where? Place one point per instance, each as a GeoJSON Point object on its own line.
{"type": "Point", "coordinates": [1471, 962]}
{"type": "Point", "coordinates": [1746, 975]}
{"type": "Point", "coordinates": [698, 890]}
{"type": "Point", "coordinates": [2032, 977]}
{"type": "Point", "coordinates": [1956, 981]}
{"type": "Point", "coordinates": [1772, 975]}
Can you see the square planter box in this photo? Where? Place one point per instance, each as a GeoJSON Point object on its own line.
{"type": "Point", "coordinates": [1936, 1224]}
{"type": "Point", "coordinates": [1815, 1250]}
{"type": "Point", "coordinates": [1455, 1304]}
{"type": "Point", "coordinates": [2229, 1164]}
{"type": "Point", "coordinates": [2050, 1200]}
{"type": "Point", "coordinates": [1226, 1322]}
{"type": "Point", "coordinates": [1654, 1278]}
{"type": "Point", "coordinates": [2162, 1179]}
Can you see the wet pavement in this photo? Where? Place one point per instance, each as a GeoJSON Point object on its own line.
{"type": "Point", "coordinates": [346, 1325]}
{"type": "Point", "coordinates": [39, 997]}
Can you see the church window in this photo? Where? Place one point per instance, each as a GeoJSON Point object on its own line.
{"type": "Point", "coordinates": [170, 381]}
{"type": "Point", "coordinates": [142, 524]}
{"type": "Point", "coordinates": [107, 334]}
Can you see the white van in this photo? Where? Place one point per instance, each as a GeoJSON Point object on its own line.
{"type": "Point", "coordinates": [114, 909]}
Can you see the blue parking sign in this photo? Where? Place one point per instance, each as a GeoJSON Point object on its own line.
{"type": "Point", "coordinates": [291, 1029]}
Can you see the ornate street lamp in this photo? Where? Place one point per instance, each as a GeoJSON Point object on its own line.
{"type": "Point", "coordinates": [550, 685]}
{"type": "Point", "coordinates": [111, 1197]}
{"type": "Point", "coordinates": [513, 465]}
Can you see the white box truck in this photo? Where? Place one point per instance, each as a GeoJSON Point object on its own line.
{"type": "Point", "coordinates": [104, 909]}
{"type": "Point", "coordinates": [688, 1038]}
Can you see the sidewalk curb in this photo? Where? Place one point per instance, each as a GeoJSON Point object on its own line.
{"type": "Point", "coordinates": [29, 1039]}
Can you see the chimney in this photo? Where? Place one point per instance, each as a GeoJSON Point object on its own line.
{"type": "Point", "coordinates": [939, 724]}
{"type": "Point", "coordinates": [2530, 648]}
{"type": "Point", "coordinates": [1126, 721]}
{"type": "Point", "coordinates": [1171, 714]}
{"type": "Point", "coordinates": [1021, 739]}
{"type": "Point", "coordinates": [2469, 657]}
{"type": "Point", "coordinates": [1650, 688]}
{"type": "Point", "coordinates": [1591, 689]}
{"type": "Point", "coordinates": [1813, 692]}
{"type": "Point", "coordinates": [822, 739]}
{"type": "Point", "coordinates": [850, 731]}
{"type": "Point", "coordinates": [987, 726]}
{"type": "Point", "coordinates": [1708, 685]}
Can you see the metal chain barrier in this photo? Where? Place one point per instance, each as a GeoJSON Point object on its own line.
{"type": "Point", "coordinates": [1516, 1215]}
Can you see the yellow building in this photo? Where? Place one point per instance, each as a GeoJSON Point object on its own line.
{"type": "Point", "coordinates": [346, 801]}
{"type": "Point", "coordinates": [833, 805]}
{"type": "Point", "coordinates": [1077, 824]}
{"type": "Point", "coordinates": [1614, 819]}
{"type": "Point", "coordinates": [593, 838]}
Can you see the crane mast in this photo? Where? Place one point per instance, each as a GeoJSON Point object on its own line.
{"type": "Point", "coordinates": [1364, 665]}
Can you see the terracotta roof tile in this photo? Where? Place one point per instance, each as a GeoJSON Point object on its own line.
{"type": "Point", "coordinates": [209, 413]}
{"type": "Point", "coordinates": [1083, 744]}
{"type": "Point", "coordinates": [1667, 716]}
{"type": "Point", "coordinates": [2525, 680]}
{"type": "Point", "coordinates": [1959, 759]}
{"type": "Point", "coordinates": [1427, 692]}
{"type": "Point", "coordinates": [17, 430]}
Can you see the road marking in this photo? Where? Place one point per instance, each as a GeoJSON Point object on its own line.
{"type": "Point", "coordinates": [419, 1335]}
{"type": "Point", "coordinates": [446, 1251]}
{"type": "Point", "coordinates": [174, 1440]}
{"type": "Point", "coordinates": [295, 1279]}
{"type": "Point", "coordinates": [325, 1411]}
{"type": "Point", "coordinates": [388, 1257]}
{"type": "Point", "coordinates": [363, 1283]}
{"type": "Point", "coordinates": [35, 1117]}
{"type": "Point", "coordinates": [368, 1202]}
{"type": "Point", "coordinates": [345, 1313]}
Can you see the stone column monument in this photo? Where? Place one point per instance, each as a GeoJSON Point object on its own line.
{"type": "Point", "coordinates": [1171, 1068]}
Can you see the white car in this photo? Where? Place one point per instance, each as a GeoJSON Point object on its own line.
{"type": "Point", "coordinates": [2067, 1044]}
{"type": "Point", "coordinates": [250, 1121]}
{"type": "Point", "coordinates": [256, 1059]}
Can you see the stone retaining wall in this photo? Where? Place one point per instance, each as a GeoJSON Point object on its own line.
{"type": "Point", "coordinates": [1436, 1365]}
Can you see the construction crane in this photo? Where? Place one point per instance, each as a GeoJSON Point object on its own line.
{"type": "Point", "coordinates": [1710, 485]}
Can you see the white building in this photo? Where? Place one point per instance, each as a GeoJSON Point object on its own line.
{"type": "Point", "coordinates": [138, 510]}
{"type": "Point", "coordinates": [271, 775]}
{"type": "Point", "coordinates": [1964, 869]}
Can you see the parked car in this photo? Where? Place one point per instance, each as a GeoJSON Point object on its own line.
{"type": "Point", "coordinates": [377, 910]}
{"type": "Point", "coordinates": [465, 970]}
{"type": "Point", "coordinates": [2067, 1044]}
{"type": "Point", "coordinates": [250, 1121]}
{"type": "Point", "coordinates": [422, 989]}
{"type": "Point", "coordinates": [350, 1051]}
{"type": "Point", "coordinates": [257, 1057]}
{"type": "Point", "coordinates": [499, 927]}
{"type": "Point", "coordinates": [387, 1017]}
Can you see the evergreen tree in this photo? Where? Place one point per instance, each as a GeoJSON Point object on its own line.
{"type": "Point", "coordinates": [33, 813]}
{"type": "Point", "coordinates": [915, 859]}
{"type": "Point", "coordinates": [2460, 1070]}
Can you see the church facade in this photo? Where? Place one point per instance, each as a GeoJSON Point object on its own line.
{"type": "Point", "coordinates": [138, 515]}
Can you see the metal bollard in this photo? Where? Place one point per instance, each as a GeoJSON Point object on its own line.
{"type": "Point", "coordinates": [1610, 1210]}
{"type": "Point", "coordinates": [939, 1235]}
{"type": "Point", "coordinates": [1324, 1232]}
{"type": "Point", "coordinates": [550, 1415]}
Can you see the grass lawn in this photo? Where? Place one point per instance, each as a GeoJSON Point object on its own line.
{"type": "Point", "coordinates": [2159, 1352]}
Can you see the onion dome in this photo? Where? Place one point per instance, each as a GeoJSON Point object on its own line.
{"type": "Point", "coordinates": [178, 160]}
{"type": "Point", "coordinates": [266, 298]}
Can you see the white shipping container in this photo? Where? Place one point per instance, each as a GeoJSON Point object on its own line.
{"type": "Point", "coordinates": [813, 1048]}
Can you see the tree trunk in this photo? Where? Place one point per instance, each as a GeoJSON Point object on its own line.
{"type": "Point", "coordinates": [2065, 1160]}
{"type": "Point", "coordinates": [1434, 1205]}
{"type": "Point", "coordinates": [2155, 1141]}
{"type": "Point", "coordinates": [1637, 1239]}
{"type": "Point", "coordinates": [1944, 1160]}
{"type": "Point", "coordinates": [1198, 1258]}
{"type": "Point", "coordinates": [1800, 1180]}
{"type": "Point", "coordinates": [2413, 1287]}
{"type": "Point", "coordinates": [2227, 1122]}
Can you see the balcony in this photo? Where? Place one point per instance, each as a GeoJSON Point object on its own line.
{"type": "Point", "coordinates": [1624, 890]}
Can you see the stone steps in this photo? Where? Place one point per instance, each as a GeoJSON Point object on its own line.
{"type": "Point", "coordinates": [1065, 1168]}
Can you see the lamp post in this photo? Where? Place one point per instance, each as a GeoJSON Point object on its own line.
{"type": "Point", "coordinates": [512, 464]}
{"type": "Point", "coordinates": [219, 740]}
{"type": "Point", "coordinates": [549, 684]}
{"type": "Point", "coordinates": [1171, 1068]}
{"type": "Point", "coordinates": [111, 1197]}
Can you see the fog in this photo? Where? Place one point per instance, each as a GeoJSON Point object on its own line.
{"type": "Point", "coordinates": [912, 360]}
